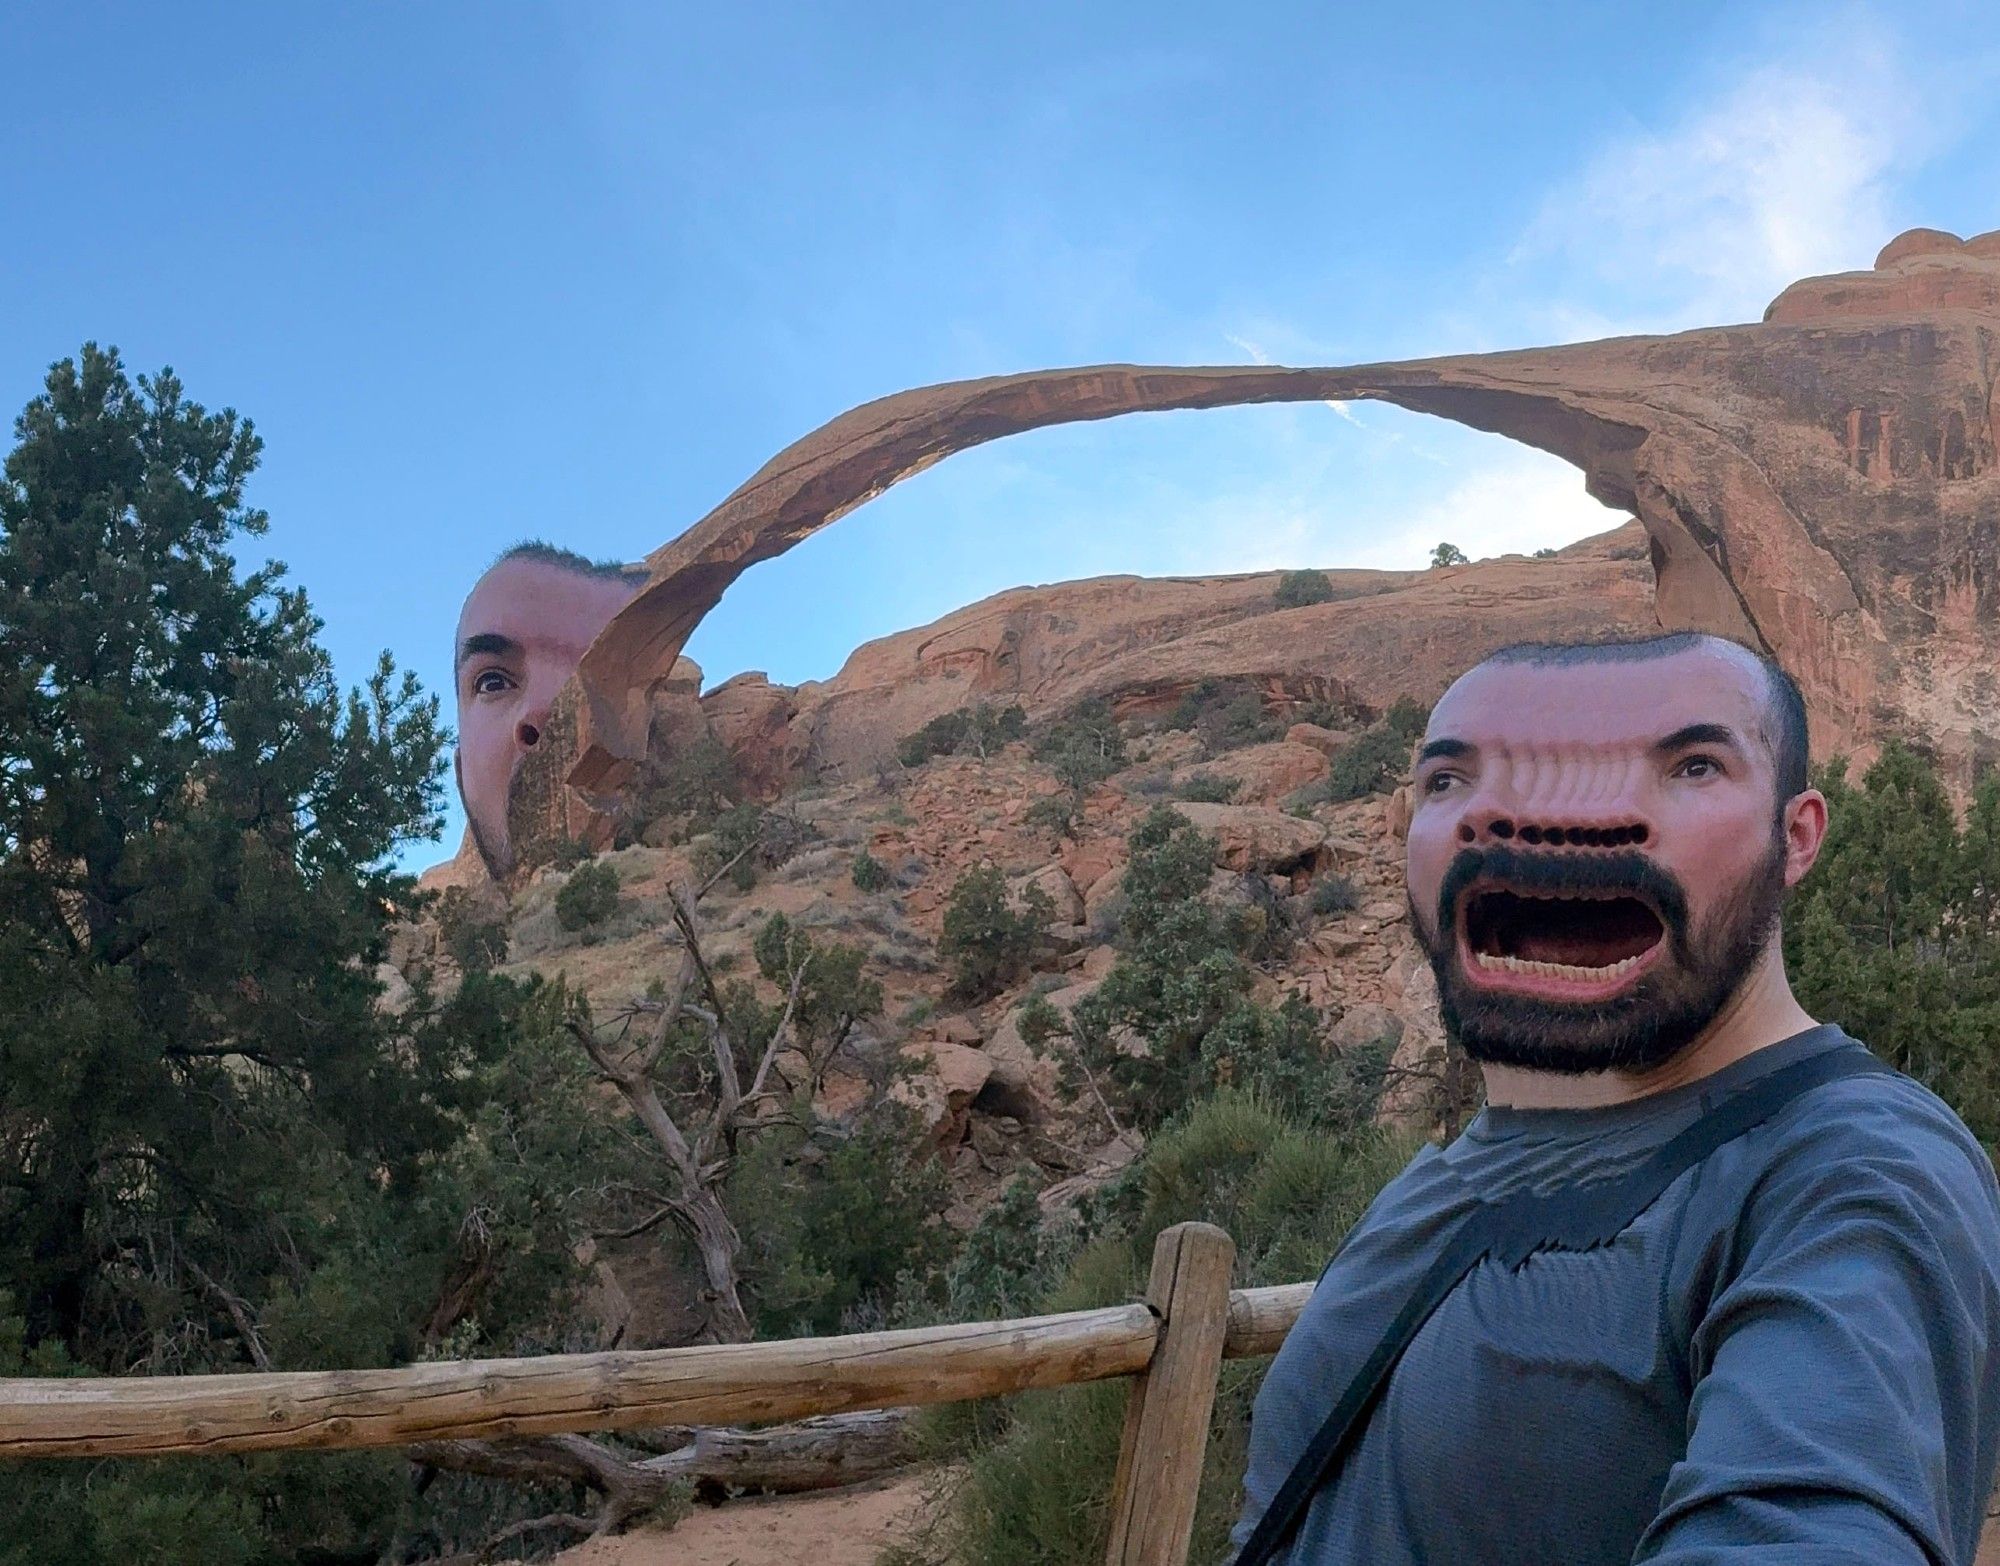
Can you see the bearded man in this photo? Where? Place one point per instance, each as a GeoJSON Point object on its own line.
{"type": "Point", "coordinates": [1784, 1353]}
{"type": "Point", "coordinates": [523, 630]}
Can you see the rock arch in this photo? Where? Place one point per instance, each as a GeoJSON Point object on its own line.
{"type": "Point", "coordinates": [1813, 484]}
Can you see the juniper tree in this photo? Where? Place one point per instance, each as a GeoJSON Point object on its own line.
{"type": "Point", "coordinates": [218, 1148]}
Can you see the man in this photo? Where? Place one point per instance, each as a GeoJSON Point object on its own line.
{"type": "Point", "coordinates": [1789, 1356]}
{"type": "Point", "coordinates": [523, 630]}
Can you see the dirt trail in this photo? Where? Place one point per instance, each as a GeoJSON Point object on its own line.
{"type": "Point", "coordinates": [847, 1527]}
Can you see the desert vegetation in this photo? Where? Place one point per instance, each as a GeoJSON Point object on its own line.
{"type": "Point", "coordinates": [949, 1039]}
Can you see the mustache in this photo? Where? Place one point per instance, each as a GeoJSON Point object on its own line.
{"type": "Point", "coordinates": [1626, 871]}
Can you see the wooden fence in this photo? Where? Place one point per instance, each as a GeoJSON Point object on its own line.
{"type": "Point", "coordinates": [1172, 1342]}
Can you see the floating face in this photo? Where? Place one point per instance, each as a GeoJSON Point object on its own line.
{"type": "Point", "coordinates": [520, 636]}
{"type": "Point", "coordinates": [1597, 854]}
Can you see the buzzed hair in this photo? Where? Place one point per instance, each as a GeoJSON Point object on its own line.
{"type": "Point", "coordinates": [1784, 706]}
{"type": "Point", "coordinates": [569, 560]}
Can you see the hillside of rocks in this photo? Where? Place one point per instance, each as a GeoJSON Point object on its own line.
{"type": "Point", "coordinates": [1326, 872]}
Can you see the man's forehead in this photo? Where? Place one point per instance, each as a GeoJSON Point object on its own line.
{"type": "Point", "coordinates": [1610, 704]}
{"type": "Point", "coordinates": [538, 604]}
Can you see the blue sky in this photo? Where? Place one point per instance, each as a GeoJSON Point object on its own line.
{"type": "Point", "coordinates": [486, 271]}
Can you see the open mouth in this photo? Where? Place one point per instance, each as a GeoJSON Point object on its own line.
{"type": "Point", "coordinates": [1581, 945]}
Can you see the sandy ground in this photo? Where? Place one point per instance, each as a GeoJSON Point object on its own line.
{"type": "Point", "coordinates": [847, 1527]}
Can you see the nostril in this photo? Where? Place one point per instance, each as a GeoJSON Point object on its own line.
{"type": "Point", "coordinates": [1503, 829]}
{"type": "Point", "coordinates": [528, 734]}
{"type": "Point", "coordinates": [1531, 834]}
{"type": "Point", "coordinates": [1638, 834]}
{"type": "Point", "coordinates": [1465, 832]}
{"type": "Point", "coordinates": [1593, 837]}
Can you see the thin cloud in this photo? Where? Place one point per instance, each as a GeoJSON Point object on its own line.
{"type": "Point", "coordinates": [1788, 170]}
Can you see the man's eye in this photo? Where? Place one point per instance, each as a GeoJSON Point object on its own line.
{"type": "Point", "coordinates": [1437, 782]}
{"type": "Point", "coordinates": [1709, 766]}
{"type": "Point", "coordinates": [491, 682]}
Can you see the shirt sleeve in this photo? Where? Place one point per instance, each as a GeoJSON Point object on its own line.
{"type": "Point", "coordinates": [1844, 1403]}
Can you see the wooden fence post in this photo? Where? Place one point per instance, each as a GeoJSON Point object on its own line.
{"type": "Point", "coordinates": [1166, 1421]}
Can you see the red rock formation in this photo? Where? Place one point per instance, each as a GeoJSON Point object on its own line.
{"type": "Point", "coordinates": [1821, 485]}
{"type": "Point", "coordinates": [1143, 642]}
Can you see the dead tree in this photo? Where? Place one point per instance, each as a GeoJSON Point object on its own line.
{"type": "Point", "coordinates": [808, 1454]}
{"type": "Point", "coordinates": [697, 1156]}
{"type": "Point", "coordinates": [743, 1080]}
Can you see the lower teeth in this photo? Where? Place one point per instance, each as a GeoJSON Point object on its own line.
{"type": "Point", "coordinates": [1553, 970]}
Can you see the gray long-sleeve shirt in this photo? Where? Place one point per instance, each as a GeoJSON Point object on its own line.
{"type": "Point", "coordinates": [1792, 1357]}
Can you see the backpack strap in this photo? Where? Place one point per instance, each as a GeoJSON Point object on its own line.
{"type": "Point", "coordinates": [1573, 1218]}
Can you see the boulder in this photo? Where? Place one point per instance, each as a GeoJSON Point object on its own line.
{"type": "Point", "coordinates": [1027, 1082]}
{"type": "Point", "coordinates": [1396, 812]}
{"type": "Point", "coordinates": [1089, 861]}
{"type": "Point", "coordinates": [1364, 1024]}
{"type": "Point", "coordinates": [941, 1089]}
{"type": "Point", "coordinates": [959, 1028]}
{"type": "Point", "coordinates": [1054, 884]}
{"type": "Point", "coordinates": [1263, 774]}
{"type": "Point", "coordinates": [1327, 742]}
{"type": "Point", "coordinates": [1257, 837]}
{"type": "Point", "coordinates": [396, 992]}
{"type": "Point", "coordinates": [1103, 893]}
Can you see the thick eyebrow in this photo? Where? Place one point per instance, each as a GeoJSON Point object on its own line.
{"type": "Point", "coordinates": [486, 642]}
{"type": "Point", "coordinates": [1454, 748]}
{"type": "Point", "coordinates": [1698, 734]}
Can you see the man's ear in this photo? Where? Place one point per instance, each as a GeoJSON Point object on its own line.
{"type": "Point", "coordinates": [1805, 833]}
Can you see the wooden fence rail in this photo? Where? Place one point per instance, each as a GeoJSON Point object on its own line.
{"type": "Point", "coordinates": [1171, 1341]}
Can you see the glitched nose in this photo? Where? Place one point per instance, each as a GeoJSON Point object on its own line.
{"type": "Point", "coordinates": [1560, 804]}
{"type": "Point", "coordinates": [1501, 828]}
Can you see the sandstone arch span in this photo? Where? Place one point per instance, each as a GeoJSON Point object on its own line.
{"type": "Point", "coordinates": [1821, 484]}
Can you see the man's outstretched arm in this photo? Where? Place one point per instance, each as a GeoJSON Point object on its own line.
{"type": "Point", "coordinates": [1846, 1403]}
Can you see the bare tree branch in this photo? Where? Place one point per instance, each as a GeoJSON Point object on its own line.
{"type": "Point", "coordinates": [239, 1312]}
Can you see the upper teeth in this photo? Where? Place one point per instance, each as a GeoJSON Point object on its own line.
{"type": "Point", "coordinates": [1554, 970]}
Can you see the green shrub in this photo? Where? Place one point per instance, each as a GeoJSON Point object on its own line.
{"type": "Point", "coordinates": [833, 992]}
{"type": "Point", "coordinates": [475, 940]}
{"type": "Point", "coordinates": [555, 853]}
{"type": "Point", "coordinates": [1060, 813]}
{"type": "Point", "coordinates": [1448, 555]}
{"type": "Point", "coordinates": [1368, 765]}
{"type": "Point", "coordinates": [1406, 719]}
{"type": "Point", "coordinates": [1084, 746]}
{"type": "Point", "coordinates": [1895, 934]}
{"type": "Point", "coordinates": [988, 942]}
{"type": "Point", "coordinates": [979, 730]}
{"type": "Point", "coordinates": [1210, 788]}
{"type": "Point", "coordinates": [747, 839]}
{"type": "Point", "coordinates": [1038, 1490]}
{"type": "Point", "coordinates": [1263, 928]}
{"type": "Point", "coordinates": [870, 874]}
{"type": "Point", "coordinates": [1545, 554]}
{"type": "Point", "coordinates": [588, 897]}
{"type": "Point", "coordinates": [834, 1223]}
{"type": "Point", "coordinates": [1038, 1022]}
{"type": "Point", "coordinates": [697, 780]}
{"type": "Point", "coordinates": [1296, 589]}
{"type": "Point", "coordinates": [1224, 715]}
{"type": "Point", "coordinates": [1335, 894]}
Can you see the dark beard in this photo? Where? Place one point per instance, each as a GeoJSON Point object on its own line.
{"type": "Point", "coordinates": [1658, 1018]}
{"type": "Point", "coordinates": [497, 866]}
